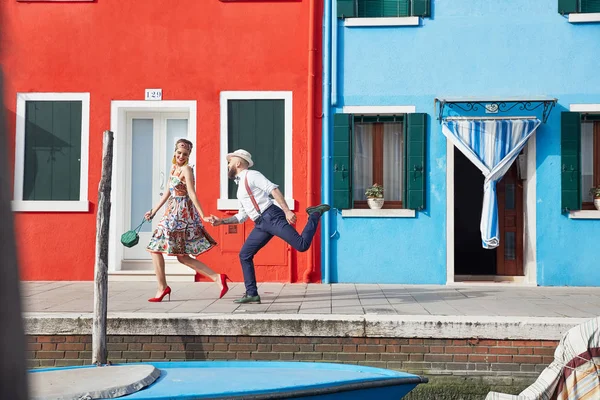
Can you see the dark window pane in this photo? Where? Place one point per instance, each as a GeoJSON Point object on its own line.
{"type": "Point", "coordinates": [52, 150]}
{"type": "Point", "coordinates": [510, 246]}
{"type": "Point", "coordinates": [510, 196]}
{"type": "Point", "coordinates": [258, 126]}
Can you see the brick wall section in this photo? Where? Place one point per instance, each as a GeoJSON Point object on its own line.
{"type": "Point", "coordinates": [422, 356]}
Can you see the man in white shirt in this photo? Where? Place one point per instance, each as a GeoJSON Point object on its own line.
{"type": "Point", "coordinates": [269, 220]}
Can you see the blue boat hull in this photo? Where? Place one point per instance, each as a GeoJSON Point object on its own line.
{"type": "Point", "coordinates": [387, 392]}
{"type": "Point", "coordinates": [272, 380]}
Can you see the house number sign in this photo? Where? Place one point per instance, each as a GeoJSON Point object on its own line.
{"type": "Point", "coordinates": [153, 94]}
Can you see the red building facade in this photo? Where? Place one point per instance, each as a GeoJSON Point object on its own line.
{"type": "Point", "coordinates": [223, 74]}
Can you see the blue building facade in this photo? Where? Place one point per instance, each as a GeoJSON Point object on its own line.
{"type": "Point", "coordinates": [395, 73]}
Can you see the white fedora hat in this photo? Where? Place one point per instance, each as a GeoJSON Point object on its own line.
{"type": "Point", "coordinates": [243, 154]}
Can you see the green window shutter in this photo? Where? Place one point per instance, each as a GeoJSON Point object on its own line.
{"type": "Point", "coordinates": [590, 6]}
{"type": "Point", "coordinates": [415, 131]}
{"type": "Point", "coordinates": [345, 8]}
{"type": "Point", "coordinates": [383, 8]}
{"type": "Point", "coordinates": [570, 153]}
{"type": "Point", "coordinates": [567, 6]}
{"type": "Point", "coordinates": [421, 8]}
{"type": "Point", "coordinates": [370, 8]}
{"type": "Point", "coordinates": [394, 8]}
{"type": "Point", "coordinates": [52, 150]}
{"type": "Point", "coordinates": [258, 126]}
{"type": "Point", "coordinates": [342, 161]}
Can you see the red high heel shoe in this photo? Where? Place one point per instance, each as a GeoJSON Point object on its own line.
{"type": "Point", "coordinates": [165, 292]}
{"type": "Point", "coordinates": [224, 278]}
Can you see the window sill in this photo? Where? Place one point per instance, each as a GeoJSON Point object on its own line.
{"type": "Point", "coordinates": [577, 18]}
{"type": "Point", "coordinates": [396, 21]}
{"type": "Point", "coordinates": [584, 214]}
{"type": "Point", "coordinates": [50, 206]}
{"type": "Point", "coordinates": [389, 213]}
{"type": "Point", "coordinates": [234, 204]}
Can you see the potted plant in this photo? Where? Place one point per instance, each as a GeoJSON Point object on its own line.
{"type": "Point", "coordinates": [595, 191]}
{"type": "Point", "coordinates": [375, 196]}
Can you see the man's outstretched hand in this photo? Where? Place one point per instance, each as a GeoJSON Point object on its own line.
{"type": "Point", "coordinates": [215, 221]}
{"type": "Point", "coordinates": [290, 216]}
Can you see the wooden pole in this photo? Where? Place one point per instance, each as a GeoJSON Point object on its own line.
{"type": "Point", "coordinates": [13, 378]}
{"type": "Point", "coordinates": [99, 352]}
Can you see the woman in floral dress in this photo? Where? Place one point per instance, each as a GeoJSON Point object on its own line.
{"type": "Point", "coordinates": [180, 232]}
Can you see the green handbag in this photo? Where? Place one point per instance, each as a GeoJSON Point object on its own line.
{"type": "Point", "coordinates": [131, 238]}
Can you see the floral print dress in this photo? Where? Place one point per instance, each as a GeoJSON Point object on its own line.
{"type": "Point", "coordinates": [180, 231]}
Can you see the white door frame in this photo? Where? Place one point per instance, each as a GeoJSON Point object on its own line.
{"type": "Point", "coordinates": [529, 219]}
{"type": "Point", "coordinates": [118, 125]}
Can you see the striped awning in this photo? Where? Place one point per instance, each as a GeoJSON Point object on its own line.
{"type": "Point", "coordinates": [492, 145]}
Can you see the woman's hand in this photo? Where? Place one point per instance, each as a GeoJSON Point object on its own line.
{"type": "Point", "coordinates": [210, 219]}
{"type": "Point", "coordinates": [149, 215]}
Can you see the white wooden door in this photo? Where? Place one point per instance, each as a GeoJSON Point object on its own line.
{"type": "Point", "coordinates": [151, 143]}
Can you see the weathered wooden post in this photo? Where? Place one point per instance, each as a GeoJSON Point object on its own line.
{"type": "Point", "coordinates": [99, 352]}
{"type": "Point", "coordinates": [13, 380]}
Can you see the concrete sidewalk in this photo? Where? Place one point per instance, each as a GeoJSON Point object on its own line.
{"type": "Point", "coordinates": [365, 310]}
{"type": "Point", "coordinates": [334, 299]}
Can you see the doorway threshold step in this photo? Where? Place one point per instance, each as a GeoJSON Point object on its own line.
{"type": "Point", "coordinates": [493, 279]}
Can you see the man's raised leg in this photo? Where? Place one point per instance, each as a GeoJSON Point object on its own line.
{"type": "Point", "coordinates": [284, 230]}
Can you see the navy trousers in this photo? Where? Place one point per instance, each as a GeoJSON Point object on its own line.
{"type": "Point", "coordinates": [271, 223]}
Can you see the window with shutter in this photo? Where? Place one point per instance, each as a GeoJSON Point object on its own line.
{"type": "Point", "coordinates": [379, 149]}
{"type": "Point", "coordinates": [259, 122]}
{"type": "Point", "coordinates": [51, 163]}
{"type": "Point", "coordinates": [578, 6]}
{"type": "Point", "coordinates": [378, 158]}
{"type": "Point", "coordinates": [258, 126]}
{"type": "Point", "coordinates": [383, 8]}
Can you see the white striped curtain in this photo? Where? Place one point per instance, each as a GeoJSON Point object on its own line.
{"type": "Point", "coordinates": [492, 145]}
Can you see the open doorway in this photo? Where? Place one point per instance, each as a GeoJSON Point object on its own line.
{"type": "Point", "coordinates": [470, 258]}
